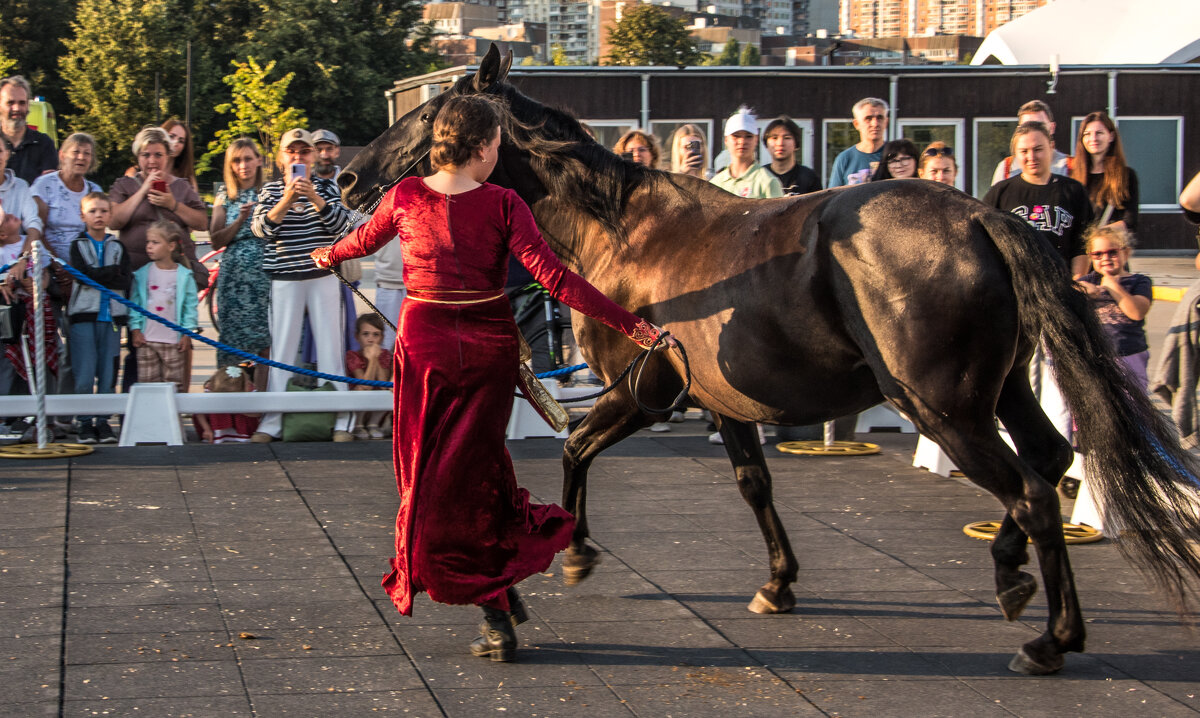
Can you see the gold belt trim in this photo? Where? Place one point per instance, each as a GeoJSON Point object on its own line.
{"type": "Point", "coordinates": [456, 301]}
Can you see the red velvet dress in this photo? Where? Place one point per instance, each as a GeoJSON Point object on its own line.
{"type": "Point", "coordinates": [465, 531]}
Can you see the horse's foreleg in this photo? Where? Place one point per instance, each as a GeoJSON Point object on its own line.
{"type": "Point", "coordinates": [754, 481]}
{"type": "Point", "coordinates": [612, 419]}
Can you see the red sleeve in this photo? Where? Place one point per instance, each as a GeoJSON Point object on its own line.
{"type": "Point", "coordinates": [368, 238]}
{"type": "Point", "coordinates": [354, 362]}
{"type": "Point", "coordinates": [526, 242]}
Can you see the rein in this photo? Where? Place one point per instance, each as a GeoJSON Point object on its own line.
{"type": "Point", "coordinates": [643, 356]}
{"type": "Point", "coordinates": [382, 190]}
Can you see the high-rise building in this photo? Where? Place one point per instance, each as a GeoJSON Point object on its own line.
{"type": "Point", "coordinates": [914, 18]}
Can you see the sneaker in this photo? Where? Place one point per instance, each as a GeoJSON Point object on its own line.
{"type": "Point", "coordinates": [660, 426]}
{"type": "Point", "coordinates": [360, 433]}
{"type": "Point", "coordinates": [104, 433]}
{"type": "Point", "coordinates": [87, 433]}
{"type": "Point", "coordinates": [18, 427]}
{"type": "Point", "coordinates": [715, 438]}
{"type": "Point", "coordinates": [342, 436]}
{"type": "Point", "coordinates": [375, 432]}
{"type": "Point", "coordinates": [259, 437]}
{"type": "Point", "coordinates": [676, 417]}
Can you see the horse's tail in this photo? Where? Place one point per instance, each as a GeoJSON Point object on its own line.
{"type": "Point", "coordinates": [1137, 472]}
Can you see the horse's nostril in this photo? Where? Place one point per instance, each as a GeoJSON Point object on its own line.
{"type": "Point", "coordinates": [346, 180]}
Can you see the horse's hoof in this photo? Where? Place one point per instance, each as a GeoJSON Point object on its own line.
{"type": "Point", "coordinates": [766, 601]}
{"type": "Point", "coordinates": [578, 565]}
{"type": "Point", "coordinates": [1025, 664]}
{"type": "Point", "coordinates": [1014, 600]}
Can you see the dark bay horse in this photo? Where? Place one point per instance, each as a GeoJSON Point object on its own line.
{"type": "Point", "coordinates": [798, 310]}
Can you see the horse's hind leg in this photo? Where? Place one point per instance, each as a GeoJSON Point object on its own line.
{"type": "Point", "coordinates": [612, 419]}
{"type": "Point", "coordinates": [1048, 453]}
{"type": "Point", "coordinates": [754, 481]}
{"type": "Point", "coordinates": [1032, 505]}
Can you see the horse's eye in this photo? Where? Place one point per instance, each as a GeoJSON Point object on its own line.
{"type": "Point", "coordinates": [426, 117]}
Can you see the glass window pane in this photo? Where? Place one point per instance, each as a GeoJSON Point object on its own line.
{"type": "Point", "coordinates": [992, 139]}
{"type": "Point", "coordinates": [1152, 150]}
{"type": "Point", "coordinates": [607, 132]}
{"type": "Point", "coordinates": [922, 135]}
{"type": "Point", "coordinates": [839, 135]}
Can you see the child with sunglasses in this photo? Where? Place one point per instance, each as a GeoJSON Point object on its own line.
{"type": "Point", "coordinates": [1121, 299]}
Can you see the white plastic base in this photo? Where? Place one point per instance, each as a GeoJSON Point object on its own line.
{"type": "Point", "coordinates": [526, 423]}
{"type": "Point", "coordinates": [152, 416]}
{"type": "Point", "coordinates": [883, 416]}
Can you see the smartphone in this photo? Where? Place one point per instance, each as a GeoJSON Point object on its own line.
{"type": "Point", "coordinates": [299, 169]}
{"type": "Point", "coordinates": [693, 147]}
{"type": "Point", "coordinates": [159, 186]}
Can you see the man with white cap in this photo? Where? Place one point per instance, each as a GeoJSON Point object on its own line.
{"type": "Point", "coordinates": [744, 176]}
{"type": "Point", "coordinates": [329, 148]}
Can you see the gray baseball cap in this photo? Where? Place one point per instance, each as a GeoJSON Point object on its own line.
{"type": "Point", "coordinates": [326, 136]}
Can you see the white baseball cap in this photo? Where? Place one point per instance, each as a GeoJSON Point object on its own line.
{"type": "Point", "coordinates": [741, 121]}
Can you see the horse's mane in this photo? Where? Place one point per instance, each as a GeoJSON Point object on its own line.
{"type": "Point", "coordinates": [576, 171]}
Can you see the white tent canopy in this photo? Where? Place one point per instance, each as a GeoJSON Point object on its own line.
{"type": "Point", "coordinates": [1098, 32]}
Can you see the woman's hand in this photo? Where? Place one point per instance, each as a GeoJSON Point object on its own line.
{"type": "Point", "coordinates": [646, 334]}
{"type": "Point", "coordinates": [293, 190]}
{"type": "Point", "coordinates": [244, 213]}
{"type": "Point", "coordinates": [185, 343]}
{"type": "Point", "coordinates": [320, 257]}
{"type": "Point", "coordinates": [137, 338]}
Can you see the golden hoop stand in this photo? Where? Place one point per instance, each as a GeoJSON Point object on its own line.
{"type": "Point", "coordinates": [828, 447]}
{"type": "Point", "coordinates": [49, 451]}
{"type": "Point", "coordinates": [1072, 533]}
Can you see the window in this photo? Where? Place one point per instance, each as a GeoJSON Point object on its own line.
{"type": "Point", "coordinates": [993, 136]}
{"type": "Point", "coordinates": [1153, 146]}
{"type": "Point", "coordinates": [923, 131]}
{"type": "Point", "coordinates": [607, 132]}
{"type": "Point", "coordinates": [839, 135]}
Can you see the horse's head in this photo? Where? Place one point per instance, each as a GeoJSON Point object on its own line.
{"type": "Point", "coordinates": [403, 149]}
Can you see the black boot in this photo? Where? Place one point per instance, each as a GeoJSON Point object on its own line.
{"type": "Point", "coordinates": [497, 641]}
{"type": "Point", "coordinates": [516, 607]}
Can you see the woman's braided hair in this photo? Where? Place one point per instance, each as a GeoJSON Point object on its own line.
{"type": "Point", "coordinates": [463, 125]}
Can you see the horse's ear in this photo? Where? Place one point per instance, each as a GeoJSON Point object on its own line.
{"type": "Point", "coordinates": [491, 69]}
{"type": "Point", "coordinates": [505, 66]}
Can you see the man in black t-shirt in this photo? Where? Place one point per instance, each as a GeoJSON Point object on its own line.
{"type": "Point", "coordinates": [33, 152]}
{"type": "Point", "coordinates": [781, 138]}
{"type": "Point", "coordinates": [1057, 207]}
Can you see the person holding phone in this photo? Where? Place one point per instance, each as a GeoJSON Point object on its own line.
{"type": "Point", "coordinates": [689, 156]}
{"type": "Point", "coordinates": [153, 193]}
{"type": "Point", "coordinates": [640, 147]}
{"type": "Point", "coordinates": [296, 215]}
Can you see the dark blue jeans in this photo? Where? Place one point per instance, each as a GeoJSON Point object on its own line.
{"type": "Point", "coordinates": [94, 350]}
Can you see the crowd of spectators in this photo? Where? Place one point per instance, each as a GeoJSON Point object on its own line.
{"type": "Point", "coordinates": [269, 293]}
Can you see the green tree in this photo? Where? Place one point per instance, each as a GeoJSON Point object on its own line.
{"type": "Point", "coordinates": [559, 58]}
{"type": "Point", "coordinates": [109, 71]}
{"type": "Point", "coordinates": [731, 54]}
{"type": "Point", "coordinates": [6, 64]}
{"type": "Point", "coordinates": [750, 56]}
{"type": "Point", "coordinates": [31, 33]}
{"type": "Point", "coordinates": [344, 56]}
{"type": "Point", "coordinates": [649, 35]}
{"type": "Point", "coordinates": [257, 107]}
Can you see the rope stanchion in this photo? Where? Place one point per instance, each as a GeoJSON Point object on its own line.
{"type": "Point", "coordinates": [105, 291]}
{"type": "Point", "coordinates": [828, 447]}
{"type": "Point", "coordinates": [1072, 533]}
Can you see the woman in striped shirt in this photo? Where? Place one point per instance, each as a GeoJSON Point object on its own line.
{"type": "Point", "coordinates": [297, 215]}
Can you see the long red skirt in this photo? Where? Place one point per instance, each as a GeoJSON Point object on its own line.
{"type": "Point", "coordinates": [465, 531]}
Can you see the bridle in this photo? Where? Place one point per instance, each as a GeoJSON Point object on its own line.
{"type": "Point", "coordinates": [381, 190]}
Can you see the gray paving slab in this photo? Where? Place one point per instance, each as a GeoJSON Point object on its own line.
{"type": "Point", "coordinates": [217, 581]}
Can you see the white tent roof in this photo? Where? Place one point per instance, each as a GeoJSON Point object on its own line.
{"type": "Point", "coordinates": [1098, 32]}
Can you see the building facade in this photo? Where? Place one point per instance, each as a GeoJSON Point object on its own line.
{"type": "Point", "coordinates": [911, 18]}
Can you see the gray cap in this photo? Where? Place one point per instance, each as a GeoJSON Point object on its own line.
{"type": "Point", "coordinates": [326, 136]}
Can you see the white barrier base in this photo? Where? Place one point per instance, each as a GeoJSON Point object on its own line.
{"type": "Point", "coordinates": [526, 423]}
{"type": "Point", "coordinates": [883, 416]}
{"type": "Point", "coordinates": [930, 456]}
{"type": "Point", "coordinates": [152, 416]}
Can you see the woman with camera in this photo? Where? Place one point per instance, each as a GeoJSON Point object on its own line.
{"type": "Point", "coordinates": [153, 193]}
{"type": "Point", "coordinates": [296, 215]}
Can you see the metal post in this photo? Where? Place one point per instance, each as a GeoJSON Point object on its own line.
{"type": "Point", "coordinates": [1112, 95]}
{"type": "Point", "coordinates": [829, 433]}
{"type": "Point", "coordinates": [645, 102]}
{"type": "Point", "coordinates": [187, 100]}
{"type": "Point", "coordinates": [894, 102]}
{"type": "Point", "coordinates": [39, 345]}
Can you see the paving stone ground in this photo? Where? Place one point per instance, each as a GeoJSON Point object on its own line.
{"type": "Point", "coordinates": [244, 581]}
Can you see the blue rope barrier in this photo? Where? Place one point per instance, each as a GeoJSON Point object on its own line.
{"type": "Point", "coordinates": [105, 291]}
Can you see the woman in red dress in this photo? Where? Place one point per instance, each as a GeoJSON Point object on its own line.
{"type": "Point", "coordinates": [466, 533]}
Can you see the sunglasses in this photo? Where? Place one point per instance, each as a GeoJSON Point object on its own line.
{"type": "Point", "coordinates": [935, 151]}
{"type": "Point", "coordinates": [1113, 253]}
{"type": "Point", "coordinates": [898, 159]}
